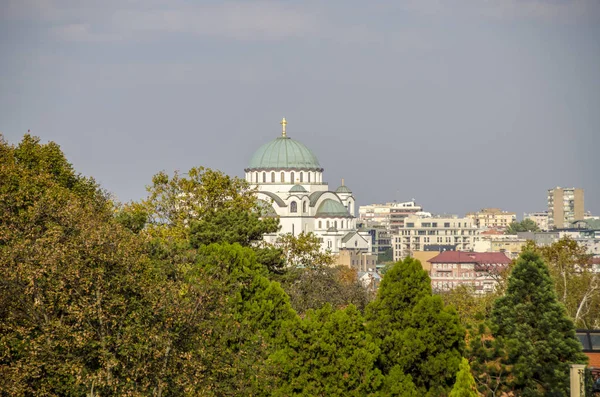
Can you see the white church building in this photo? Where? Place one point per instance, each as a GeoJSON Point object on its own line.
{"type": "Point", "coordinates": [289, 180]}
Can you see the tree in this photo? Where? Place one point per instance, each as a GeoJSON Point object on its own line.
{"type": "Point", "coordinates": [417, 335]}
{"type": "Point", "coordinates": [465, 384]}
{"type": "Point", "coordinates": [472, 308]}
{"type": "Point", "coordinates": [577, 284]}
{"type": "Point", "coordinates": [526, 225]}
{"type": "Point", "coordinates": [303, 251]}
{"type": "Point", "coordinates": [328, 353]}
{"type": "Point", "coordinates": [533, 340]}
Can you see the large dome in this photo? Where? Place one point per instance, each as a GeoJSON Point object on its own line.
{"type": "Point", "coordinates": [284, 153]}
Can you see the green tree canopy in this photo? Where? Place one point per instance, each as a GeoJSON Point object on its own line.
{"type": "Point", "coordinates": [328, 353]}
{"type": "Point", "coordinates": [465, 384]}
{"type": "Point", "coordinates": [526, 225]}
{"type": "Point", "coordinates": [416, 332]}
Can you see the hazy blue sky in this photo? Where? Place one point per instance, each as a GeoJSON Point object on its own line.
{"type": "Point", "coordinates": [460, 104]}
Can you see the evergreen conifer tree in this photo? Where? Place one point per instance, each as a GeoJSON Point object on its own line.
{"type": "Point", "coordinates": [465, 384]}
{"type": "Point", "coordinates": [533, 337]}
{"type": "Point", "coordinates": [417, 335]}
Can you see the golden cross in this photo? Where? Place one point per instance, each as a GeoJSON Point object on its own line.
{"type": "Point", "coordinates": [283, 124]}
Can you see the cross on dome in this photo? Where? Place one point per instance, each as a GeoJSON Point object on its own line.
{"type": "Point", "coordinates": [283, 124]}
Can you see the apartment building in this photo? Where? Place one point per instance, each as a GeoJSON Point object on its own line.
{"type": "Point", "coordinates": [360, 260]}
{"type": "Point", "coordinates": [492, 218]}
{"type": "Point", "coordinates": [540, 219]}
{"type": "Point", "coordinates": [434, 233]}
{"type": "Point", "coordinates": [565, 205]}
{"type": "Point", "coordinates": [480, 270]}
{"type": "Point", "coordinates": [389, 215]}
{"type": "Point", "coordinates": [509, 244]}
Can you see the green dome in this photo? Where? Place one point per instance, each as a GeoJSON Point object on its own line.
{"type": "Point", "coordinates": [298, 189]}
{"type": "Point", "coordinates": [284, 153]}
{"type": "Point", "coordinates": [332, 208]}
{"type": "Point", "coordinates": [343, 189]}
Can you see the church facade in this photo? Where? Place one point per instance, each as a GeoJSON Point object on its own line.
{"type": "Point", "coordinates": [289, 180]}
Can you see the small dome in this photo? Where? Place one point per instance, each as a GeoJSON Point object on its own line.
{"type": "Point", "coordinates": [332, 229]}
{"type": "Point", "coordinates": [343, 189]}
{"type": "Point", "coordinates": [284, 153]}
{"type": "Point", "coordinates": [298, 189]}
{"type": "Point", "coordinates": [332, 208]}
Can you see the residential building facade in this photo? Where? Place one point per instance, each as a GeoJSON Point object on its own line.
{"type": "Point", "coordinates": [434, 233]}
{"type": "Point", "coordinates": [492, 218]}
{"type": "Point", "coordinates": [480, 270]}
{"type": "Point", "coordinates": [565, 205]}
{"type": "Point", "coordinates": [389, 215]}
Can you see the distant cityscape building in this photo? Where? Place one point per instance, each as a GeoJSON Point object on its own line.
{"type": "Point", "coordinates": [509, 244]}
{"type": "Point", "coordinates": [480, 270]}
{"type": "Point", "coordinates": [540, 219]}
{"type": "Point", "coordinates": [381, 238]}
{"type": "Point", "coordinates": [434, 233]}
{"type": "Point", "coordinates": [289, 183]}
{"type": "Point", "coordinates": [492, 218]}
{"type": "Point", "coordinates": [389, 215]}
{"type": "Point", "coordinates": [565, 205]}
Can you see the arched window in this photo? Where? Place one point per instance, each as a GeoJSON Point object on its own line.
{"type": "Point", "coordinates": [309, 177]}
{"type": "Point", "coordinates": [327, 224]}
{"type": "Point", "coordinates": [264, 177]}
{"type": "Point", "coordinates": [304, 206]}
{"type": "Point", "coordinates": [292, 177]}
{"type": "Point", "coordinates": [256, 177]}
{"type": "Point", "coordinates": [342, 224]}
{"type": "Point", "coordinates": [320, 225]}
{"type": "Point", "coordinates": [293, 233]}
{"type": "Point", "coordinates": [301, 177]}
{"type": "Point", "coordinates": [282, 177]}
{"type": "Point", "coordinates": [272, 177]}
{"type": "Point", "coordinates": [335, 224]}
{"type": "Point", "coordinates": [293, 207]}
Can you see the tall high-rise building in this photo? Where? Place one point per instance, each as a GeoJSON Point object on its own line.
{"type": "Point", "coordinates": [565, 205]}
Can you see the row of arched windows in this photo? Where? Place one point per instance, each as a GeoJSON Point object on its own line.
{"type": "Point", "coordinates": [282, 177]}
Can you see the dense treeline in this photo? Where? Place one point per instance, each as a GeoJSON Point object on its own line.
{"type": "Point", "coordinates": [176, 295]}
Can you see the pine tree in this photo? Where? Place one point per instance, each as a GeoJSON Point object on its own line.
{"type": "Point", "coordinates": [465, 384]}
{"type": "Point", "coordinates": [533, 337]}
{"type": "Point", "coordinates": [418, 336]}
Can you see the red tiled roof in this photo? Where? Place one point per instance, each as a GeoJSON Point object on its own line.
{"type": "Point", "coordinates": [492, 232]}
{"type": "Point", "coordinates": [480, 258]}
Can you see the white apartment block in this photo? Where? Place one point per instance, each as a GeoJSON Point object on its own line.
{"type": "Point", "coordinates": [492, 218]}
{"type": "Point", "coordinates": [434, 233]}
{"type": "Point", "coordinates": [389, 215]}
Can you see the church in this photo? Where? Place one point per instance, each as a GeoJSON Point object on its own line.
{"type": "Point", "coordinates": [289, 180]}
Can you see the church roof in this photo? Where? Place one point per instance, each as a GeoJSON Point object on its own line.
{"type": "Point", "coordinates": [298, 189]}
{"type": "Point", "coordinates": [275, 198]}
{"type": "Point", "coordinates": [332, 208]}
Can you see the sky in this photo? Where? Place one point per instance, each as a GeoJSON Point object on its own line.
{"type": "Point", "coordinates": [458, 104]}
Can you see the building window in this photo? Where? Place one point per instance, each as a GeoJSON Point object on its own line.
{"type": "Point", "coordinates": [327, 224]}
{"type": "Point", "coordinates": [304, 206]}
{"type": "Point", "coordinates": [335, 224]}
{"type": "Point", "coordinates": [264, 177]}
{"type": "Point", "coordinates": [292, 177]}
{"type": "Point", "coordinates": [282, 177]}
{"type": "Point", "coordinates": [272, 177]}
{"type": "Point", "coordinates": [309, 177]}
{"type": "Point", "coordinates": [293, 207]}
{"type": "Point", "coordinates": [301, 177]}
{"type": "Point", "coordinates": [256, 177]}
{"type": "Point", "coordinates": [446, 224]}
{"type": "Point", "coordinates": [410, 224]}
{"type": "Point", "coordinates": [320, 225]}
{"type": "Point", "coordinates": [342, 224]}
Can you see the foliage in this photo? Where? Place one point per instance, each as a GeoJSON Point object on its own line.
{"type": "Point", "coordinates": [526, 225]}
{"type": "Point", "coordinates": [532, 340]}
{"type": "Point", "coordinates": [386, 256]}
{"type": "Point", "coordinates": [304, 251]}
{"type": "Point", "coordinates": [577, 284]}
{"type": "Point", "coordinates": [465, 384]}
{"type": "Point", "coordinates": [472, 308]}
{"type": "Point", "coordinates": [312, 288]}
{"type": "Point", "coordinates": [328, 353]}
{"type": "Point", "coordinates": [417, 334]}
